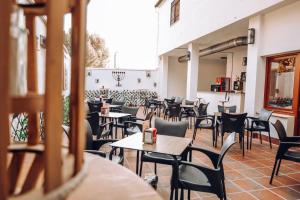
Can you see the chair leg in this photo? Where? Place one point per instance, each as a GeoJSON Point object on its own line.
{"type": "Point", "coordinates": [194, 134]}
{"type": "Point", "coordinates": [155, 168]}
{"type": "Point", "coordinates": [247, 139]}
{"type": "Point", "coordinates": [273, 171]}
{"type": "Point", "coordinates": [243, 144]}
{"type": "Point", "coordinates": [251, 136]}
{"type": "Point", "coordinates": [270, 140]}
{"type": "Point", "coordinates": [213, 137]}
{"type": "Point", "coordinates": [189, 194]}
{"type": "Point", "coordinates": [260, 137]}
{"type": "Point", "coordinates": [141, 168]}
{"type": "Point", "coordinates": [278, 167]}
{"type": "Point", "coordinates": [182, 194]}
{"type": "Point", "coordinates": [171, 193]}
{"type": "Point", "coordinates": [224, 189]}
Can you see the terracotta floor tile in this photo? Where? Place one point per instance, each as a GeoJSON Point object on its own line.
{"type": "Point", "coordinates": [286, 193]}
{"type": "Point", "coordinates": [248, 184]}
{"type": "Point", "coordinates": [266, 194]}
{"type": "Point", "coordinates": [264, 181]}
{"type": "Point", "coordinates": [286, 180]}
{"type": "Point", "coordinates": [295, 187]}
{"type": "Point", "coordinates": [250, 173]}
{"type": "Point", "coordinates": [241, 196]}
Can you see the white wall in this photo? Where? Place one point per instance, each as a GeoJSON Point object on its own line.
{"type": "Point", "coordinates": [234, 63]}
{"type": "Point", "coordinates": [281, 30]}
{"type": "Point", "coordinates": [177, 77]}
{"type": "Point", "coordinates": [214, 98]}
{"type": "Point", "coordinates": [199, 18]}
{"type": "Point", "coordinates": [130, 81]}
{"type": "Point", "coordinates": [209, 69]}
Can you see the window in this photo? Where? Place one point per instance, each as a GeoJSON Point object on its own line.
{"type": "Point", "coordinates": [280, 76]}
{"type": "Point", "coordinates": [175, 9]}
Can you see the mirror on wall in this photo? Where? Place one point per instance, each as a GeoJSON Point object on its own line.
{"type": "Point", "coordinates": [281, 82]}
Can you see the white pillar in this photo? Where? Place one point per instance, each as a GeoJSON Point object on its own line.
{"type": "Point", "coordinates": [192, 72]}
{"type": "Point", "coordinates": [164, 70]}
{"type": "Point", "coordinates": [255, 77]}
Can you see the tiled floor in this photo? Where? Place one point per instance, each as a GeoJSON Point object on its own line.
{"type": "Point", "coordinates": [246, 177]}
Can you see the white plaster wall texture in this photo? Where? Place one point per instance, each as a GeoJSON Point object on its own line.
{"type": "Point", "coordinates": [177, 77]}
{"type": "Point", "coordinates": [130, 82]}
{"type": "Point", "coordinates": [197, 19]}
{"type": "Point", "coordinates": [209, 69]}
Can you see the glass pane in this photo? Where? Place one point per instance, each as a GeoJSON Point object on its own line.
{"type": "Point", "coordinates": [281, 82]}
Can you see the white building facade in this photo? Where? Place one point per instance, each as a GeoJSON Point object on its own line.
{"type": "Point", "coordinates": [203, 24]}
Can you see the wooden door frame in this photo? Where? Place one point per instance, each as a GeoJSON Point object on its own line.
{"type": "Point", "coordinates": [296, 93]}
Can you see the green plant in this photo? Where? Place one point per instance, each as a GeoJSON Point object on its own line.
{"type": "Point", "coordinates": [66, 107]}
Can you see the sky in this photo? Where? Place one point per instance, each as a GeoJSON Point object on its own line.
{"type": "Point", "coordinates": [128, 28]}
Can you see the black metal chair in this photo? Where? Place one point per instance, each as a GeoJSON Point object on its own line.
{"type": "Point", "coordinates": [131, 127]}
{"type": "Point", "coordinates": [119, 103]}
{"type": "Point", "coordinates": [94, 106]}
{"type": "Point", "coordinates": [163, 127]}
{"type": "Point", "coordinates": [99, 130]}
{"type": "Point", "coordinates": [230, 123]}
{"type": "Point", "coordinates": [201, 178]}
{"type": "Point", "coordinates": [259, 124]}
{"type": "Point", "coordinates": [93, 145]}
{"type": "Point", "coordinates": [173, 112]}
{"type": "Point", "coordinates": [231, 109]}
{"type": "Point", "coordinates": [132, 118]}
{"type": "Point", "coordinates": [284, 152]}
{"type": "Point", "coordinates": [204, 121]}
{"type": "Point", "coordinates": [150, 105]}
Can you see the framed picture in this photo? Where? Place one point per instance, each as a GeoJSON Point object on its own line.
{"type": "Point", "coordinates": [42, 41]}
{"type": "Point", "coordinates": [148, 74]}
{"type": "Point", "coordinates": [243, 76]}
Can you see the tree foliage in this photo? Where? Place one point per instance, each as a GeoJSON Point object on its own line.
{"type": "Point", "coordinates": [96, 54]}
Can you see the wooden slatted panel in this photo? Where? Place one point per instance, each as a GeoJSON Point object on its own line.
{"type": "Point", "coordinates": [32, 82]}
{"type": "Point", "coordinates": [33, 102]}
{"type": "Point", "coordinates": [53, 96]}
{"type": "Point", "coordinates": [77, 82]}
{"type": "Point", "coordinates": [14, 170]}
{"type": "Point", "coordinates": [33, 174]}
{"type": "Point", "coordinates": [5, 10]}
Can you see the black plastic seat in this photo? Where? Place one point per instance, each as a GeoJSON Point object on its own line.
{"type": "Point", "coordinates": [99, 130]}
{"type": "Point", "coordinates": [231, 109]}
{"type": "Point", "coordinates": [259, 124]}
{"type": "Point", "coordinates": [164, 127]}
{"type": "Point", "coordinates": [94, 106]}
{"type": "Point", "coordinates": [229, 123]}
{"type": "Point", "coordinates": [200, 178]}
{"type": "Point", "coordinates": [284, 151]}
{"type": "Point", "coordinates": [131, 127]}
{"type": "Point", "coordinates": [93, 145]}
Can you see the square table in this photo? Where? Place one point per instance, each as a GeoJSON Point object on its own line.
{"type": "Point", "coordinates": [169, 145]}
{"type": "Point", "coordinates": [114, 116]}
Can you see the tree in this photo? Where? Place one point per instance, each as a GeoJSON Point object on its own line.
{"type": "Point", "coordinates": [96, 53]}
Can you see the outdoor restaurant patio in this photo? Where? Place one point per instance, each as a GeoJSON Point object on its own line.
{"type": "Point", "coordinates": [217, 118]}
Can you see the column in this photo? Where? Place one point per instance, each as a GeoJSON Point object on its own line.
{"type": "Point", "coordinates": [255, 78]}
{"type": "Point", "coordinates": [164, 70]}
{"type": "Point", "coordinates": [192, 72]}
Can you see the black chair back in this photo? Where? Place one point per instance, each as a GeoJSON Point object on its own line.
{"type": "Point", "coordinates": [164, 127]}
{"type": "Point", "coordinates": [89, 136]}
{"type": "Point", "coordinates": [265, 114]}
{"type": "Point", "coordinates": [169, 101]}
{"type": "Point", "coordinates": [130, 110]}
{"type": "Point", "coordinates": [280, 130]}
{"type": "Point", "coordinates": [231, 109]}
{"type": "Point", "coordinates": [121, 103]}
{"type": "Point", "coordinates": [174, 110]}
{"type": "Point", "coordinates": [187, 102]}
{"type": "Point", "coordinates": [108, 100]}
{"type": "Point", "coordinates": [95, 106]}
{"type": "Point", "coordinates": [202, 109]}
{"type": "Point", "coordinates": [230, 140]}
{"type": "Point", "coordinates": [233, 122]}
{"type": "Point", "coordinates": [94, 120]}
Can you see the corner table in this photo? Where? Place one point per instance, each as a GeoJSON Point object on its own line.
{"type": "Point", "coordinates": [170, 145]}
